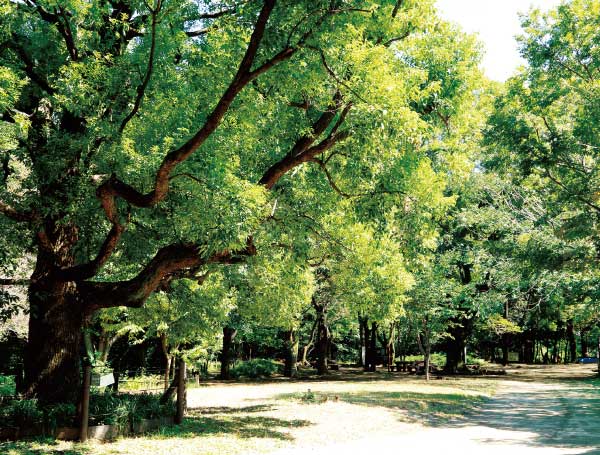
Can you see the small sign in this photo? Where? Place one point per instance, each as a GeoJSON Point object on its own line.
{"type": "Point", "coordinates": [102, 380]}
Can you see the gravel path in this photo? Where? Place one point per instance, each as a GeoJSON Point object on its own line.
{"type": "Point", "coordinates": [537, 413]}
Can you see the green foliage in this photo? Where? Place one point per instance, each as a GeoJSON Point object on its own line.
{"type": "Point", "coordinates": [255, 368]}
{"type": "Point", "coordinates": [123, 409]}
{"type": "Point", "coordinates": [7, 385]}
{"type": "Point", "coordinates": [21, 413]}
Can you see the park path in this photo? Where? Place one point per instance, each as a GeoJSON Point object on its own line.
{"type": "Point", "coordinates": [523, 418]}
{"type": "Point", "coordinates": [535, 410]}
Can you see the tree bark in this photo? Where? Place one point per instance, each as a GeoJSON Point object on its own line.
{"type": "Point", "coordinates": [290, 369]}
{"type": "Point", "coordinates": [584, 343]}
{"type": "Point", "coordinates": [371, 357]}
{"type": "Point", "coordinates": [322, 339]}
{"type": "Point", "coordinates": [365, 337]}
{"type": "Point", "coordinates": [229, 334]}
{"type": "Point", "coordinates": [572, 341]}
{"type": "Point", "coordinates": [56, 319]}
{"type": "Point", "coordinates": [165, 349]}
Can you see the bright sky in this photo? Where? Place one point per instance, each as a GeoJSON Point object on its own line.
{"type": "Point", "coordinates": [497, 23]}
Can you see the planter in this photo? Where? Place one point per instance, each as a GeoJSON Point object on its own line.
{"type": "Point", "coordinates": [67, 433]}
{"type": "Point", "coordinates": [103, 432]}
{"type": "Point", "coordinates": [146, 425]}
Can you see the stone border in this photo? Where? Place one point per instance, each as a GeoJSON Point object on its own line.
{"type": "Point", "coordinates": [97, 432]}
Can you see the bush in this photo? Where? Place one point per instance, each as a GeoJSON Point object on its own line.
{"type": "Point", "coordinates": [105, 409]}
{"type": "Point", "coordinates": [437, 358]}
{"type": "Point", "coordinates": [122, 409]}
{"type": "Point", "coordinates": [21, 413]}
{"type": "Point", "coordinates": [257, 368]}
{"type": "Point", "coordinates": [7, 385]}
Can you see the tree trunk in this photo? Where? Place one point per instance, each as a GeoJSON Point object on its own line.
{"type": "Point", "coordinates": [290, 368]}
{"type": "Point", "coordinates": [584, 343]}
{"type": "Point", "coordinates": [307, 347]}
{"type": "Point", "coordinates": [427, 356]}
{"type": "Point", "coordinates": [454, 351]}
{"type": "Point", "coordinates": [53, 351]}
{"type": "Point", "coordinates": [229, 334]}
{"type": "Point", "coordinates": [363, 324]}
{"type": "Point", "coordinates": [505, 338]}
{"type": "Point", "coordinates": [165, 349]}
{"type": "Point", "coordinates": [322, 339]}
{"type": "Point", "coordinates": [572, 341]}
{"type": "Point", "coordinates": [371, 357]}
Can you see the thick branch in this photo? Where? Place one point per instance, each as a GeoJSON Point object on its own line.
{"type": "Point", "coordinates": [14, 214]}
{"type": "Point", "coordinates": [304, 150]}
{"type": "Point", "coordinates": [168, 260]}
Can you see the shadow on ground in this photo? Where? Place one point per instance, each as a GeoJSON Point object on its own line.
{"type": "Point", "coordinates": [432, 409]}
{"type": "Point", "coordinates": [207, 422]}
{"type": "Point", "coordinates": [39, 447]}
{"type": "Point", "coordinates": [565, 415]}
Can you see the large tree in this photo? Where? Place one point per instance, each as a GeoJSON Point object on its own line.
{"type": "Point", "coordinates": [141, 141]}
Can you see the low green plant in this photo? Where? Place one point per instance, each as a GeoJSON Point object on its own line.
{"type": "Point", "coordinates": [7, 385]}
{"type": "Point", "coordinates": [21, 413]}
{"type": "Point", "coordinates": [437, 358]}
{"type": "Point", "coordinates": [256, 368]}
{"type": "Point", "coordinates": [60, 415]}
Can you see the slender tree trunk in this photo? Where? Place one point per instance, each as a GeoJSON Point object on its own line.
{"type": "Point", "coordinates": [322, 339]}
{"type": "Point", "coordinates": [505, 338]}
{"type": "Point", "coordinates": [229, 334]}
{"type": "Point", "coordinates": [290, 369]}
{"type": "Point", "coordinates": [371, 363]}
{"type": "Point", "coordinates": [308, 346]}
{"type": "Point", "coordinates": [363, 324]}
{"type": "Point", "coordinates": [572, 341]}
{"type": "Point", "coordinates": [584, 343]}
{"type": "Point", "coordinates": [165, 349]}
{"type": "Point", "coordinates": [427, 342]}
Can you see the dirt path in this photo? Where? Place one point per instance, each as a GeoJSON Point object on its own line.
{"type": "Point", "coordinates": [539, 410]}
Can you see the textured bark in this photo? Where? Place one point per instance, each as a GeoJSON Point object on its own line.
{"type": "Point", "coordinates": [56, 319]}
{"type": "Point", "coordinates": [371, 357]}
{"type": "Point", "coordinates": [572, 341]}
{"type": "Point", "coordinates": [584, 343]}
{"type": "Point", "coordinates": [229, 334]}
{"type": "Point", "coordinates": [322, 339]}
{"type": "Point", "coordinates": [290, 369]}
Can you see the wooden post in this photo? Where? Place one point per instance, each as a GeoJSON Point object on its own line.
{"type": "Point", "coordinates": [180, 391]}
{"type": "Point", "coordinates": [85, 403]}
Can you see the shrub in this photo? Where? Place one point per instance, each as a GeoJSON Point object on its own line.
{"type": "Point", "coordinates": [257, 368]}
{"type": "Point", "coordinates": [7, 385]}
{"type": "Point", "coordinates": [21, 413]}
{"type": "Point", "coordinates": [438, 359]}
{"type": "Point", "coordinates": [105, 409]}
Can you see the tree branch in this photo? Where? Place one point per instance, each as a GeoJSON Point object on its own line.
{"type": "Point", "coordinates": [142, 87]}
{"type": "Point", "coordinates": [16, 215]}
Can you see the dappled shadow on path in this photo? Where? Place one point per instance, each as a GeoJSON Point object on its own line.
{"type": "Point", "coordinates": [40, 447]}
{"type": "Point", "coordinates": [560, 415]}
{"type": "Point", "coordinates": [427, 408]}
{"type": "Point", "coordinates": [198, 424]}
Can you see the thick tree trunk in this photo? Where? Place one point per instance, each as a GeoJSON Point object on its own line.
{"type": "Point", "coordinates": [572, 341]}
{"type": "Point", "coordinates": [454, 352]}
{"type": "Point", "coordinates": [53, 351]}
{"type": "Point", "coordinates": [290, 368]}
{"type": "Point", "coordinates": [227, 352]}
